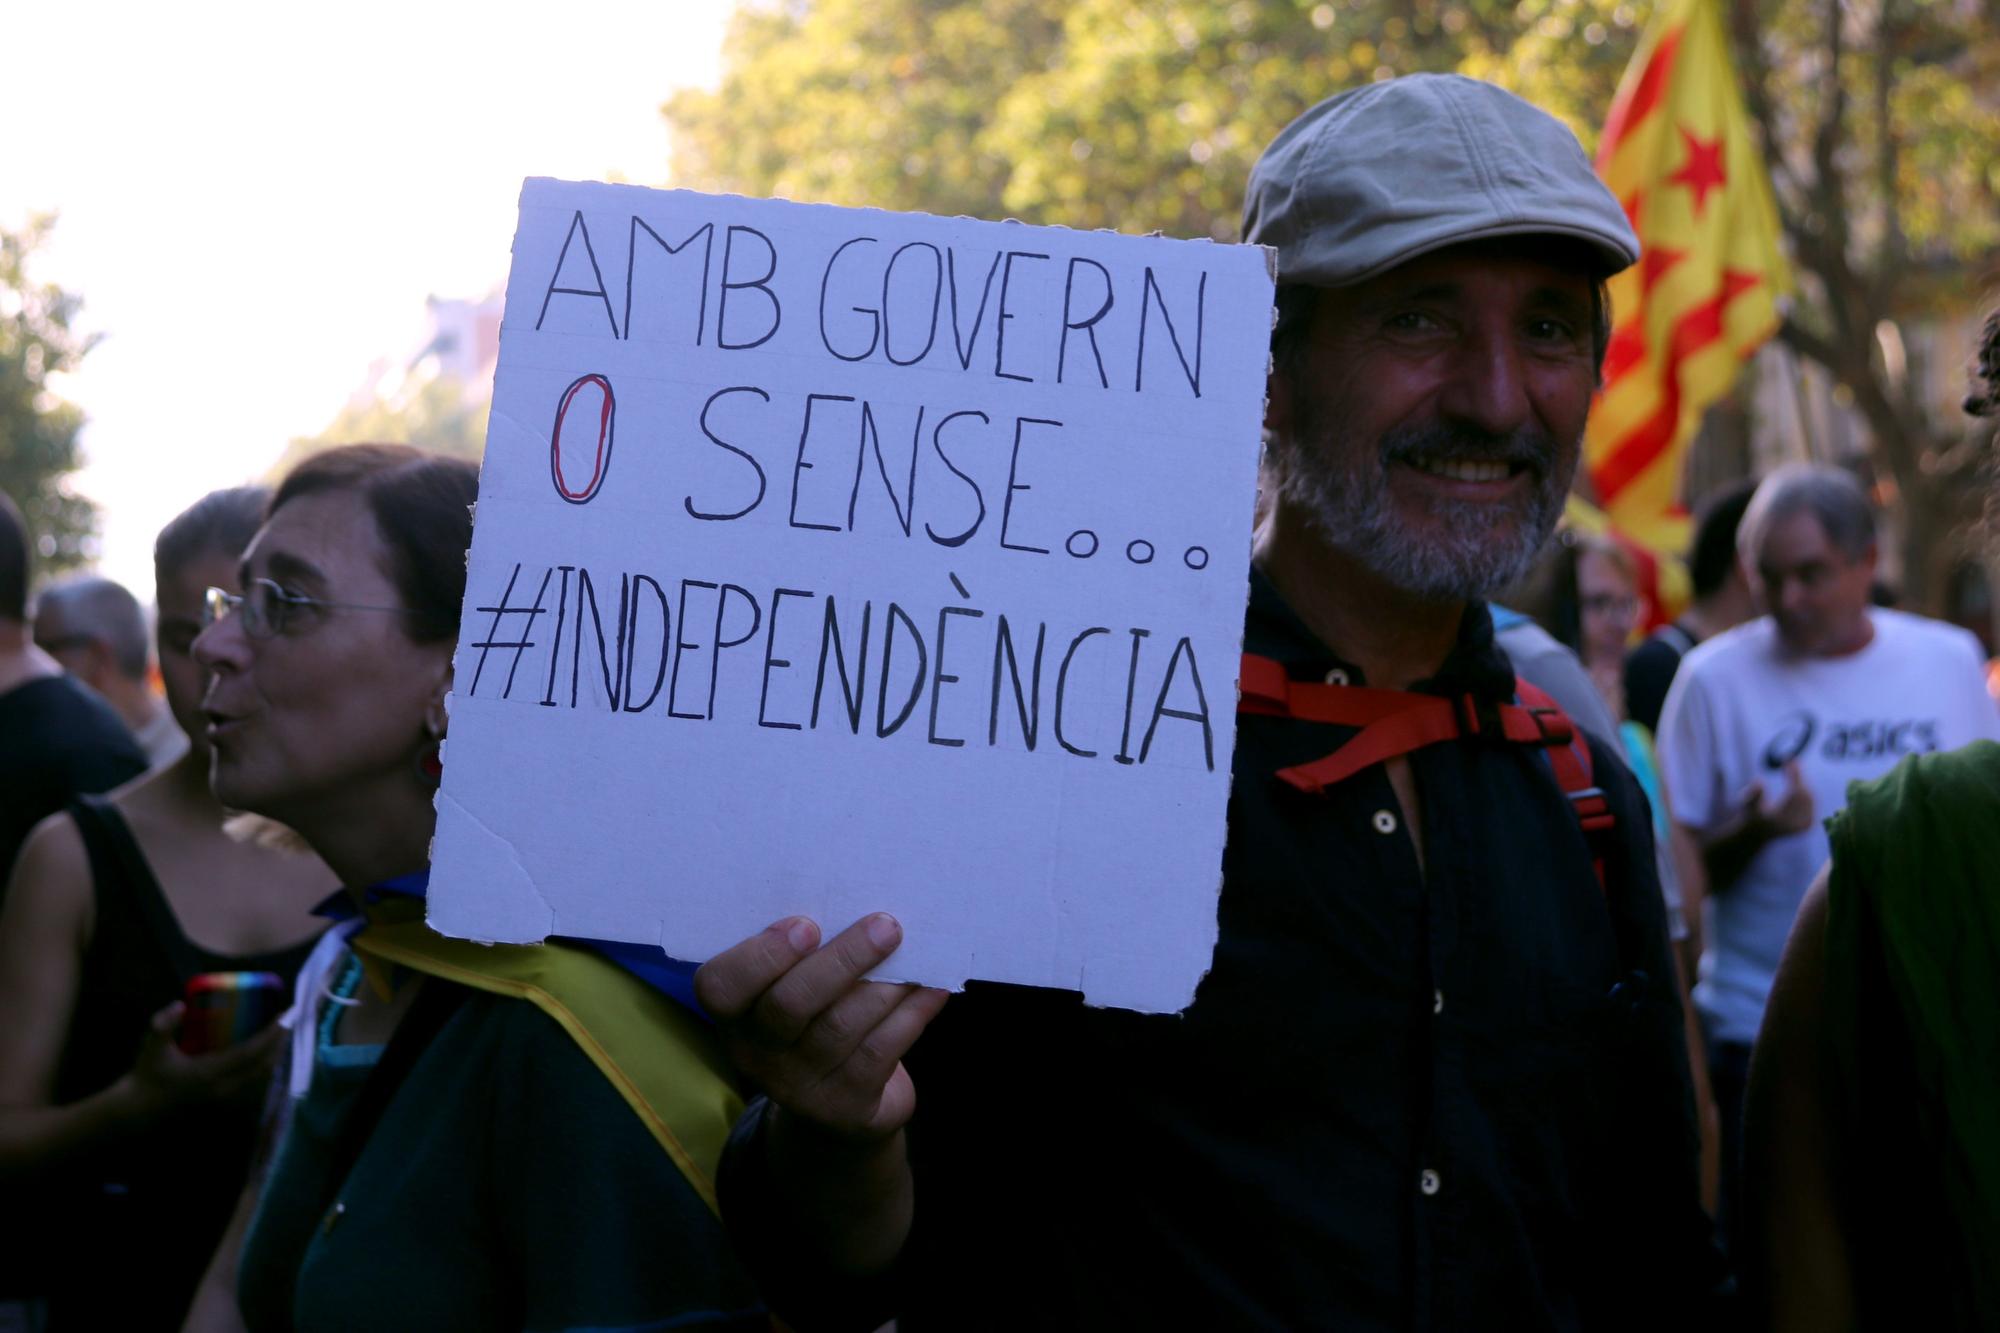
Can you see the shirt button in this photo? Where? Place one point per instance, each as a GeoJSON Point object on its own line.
{"type": "Point", "coordinates": [1336, 677]}
{"type": "Point", "coordinates": [1437, 1001]}
{"type": "Point", "coordinates": [1385, 822]}
{"type": "Point", "coordinates": [1428, 1182]}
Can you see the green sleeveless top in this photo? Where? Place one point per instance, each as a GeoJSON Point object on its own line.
{"type": "Point", "coordinates": [1913, 1011]}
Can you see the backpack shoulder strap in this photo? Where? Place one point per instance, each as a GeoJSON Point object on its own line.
{"type": "Point", "coordinates": [1568, 750]}
{"type": "Point", "coordinates": [1393, 722]}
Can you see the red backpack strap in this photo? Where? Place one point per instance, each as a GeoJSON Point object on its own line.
{"type": "Point", "coordinates": [1396, 722]}
{"type": "Point", "coordinates": [1391, 722]}
{"type": "Point", "coordinates": [1569, 755]}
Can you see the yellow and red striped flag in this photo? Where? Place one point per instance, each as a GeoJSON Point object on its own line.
{"type": "Point", "coordinates": [1678, 154]}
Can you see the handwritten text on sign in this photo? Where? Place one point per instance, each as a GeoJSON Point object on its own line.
{"type": "Point", "coordinates": [830, 561]}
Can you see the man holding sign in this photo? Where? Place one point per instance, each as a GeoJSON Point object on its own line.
{"type": "Point", "coordinates": [1435, 1077]}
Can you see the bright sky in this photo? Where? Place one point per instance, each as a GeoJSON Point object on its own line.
{"type": "Point", "coordinates": [255, 199]}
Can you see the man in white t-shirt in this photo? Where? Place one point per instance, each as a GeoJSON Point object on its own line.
{"type": "Point", "coordinates": [1766, 724]}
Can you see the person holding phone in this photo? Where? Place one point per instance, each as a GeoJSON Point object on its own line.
{"type": "Point", "coordinates": [125, 1150]}
{"type": "Point", "coordinates": [475, 1136]}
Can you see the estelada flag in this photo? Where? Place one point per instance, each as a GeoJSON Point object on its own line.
{"type": "Point", "coordinates": [1677, 152]}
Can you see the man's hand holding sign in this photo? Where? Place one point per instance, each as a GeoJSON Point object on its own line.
{"type": "Point", "coordinates": [826, 1047]}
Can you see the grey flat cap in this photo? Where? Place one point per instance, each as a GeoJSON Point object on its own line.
{"type": "Point", "coordinates": [1375, 176]}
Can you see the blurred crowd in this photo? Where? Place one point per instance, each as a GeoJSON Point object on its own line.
{"type": "Point", "coordinates": [1645, 980]}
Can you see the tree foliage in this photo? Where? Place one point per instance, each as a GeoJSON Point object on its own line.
{"type": "Point", "coordinates": [1881, 118]}
{"type": "Point", "coordinates": [1882, 125]}
{"type": "Point", "coordinates": [38, 430]}
{"type": "Point", "coordinates": [866, 104]}
{"type": "Point", "coordinates": [1094, 113]}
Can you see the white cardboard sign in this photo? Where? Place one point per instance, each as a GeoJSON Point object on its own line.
{"type": "Point", "coordinates": [830, 561]}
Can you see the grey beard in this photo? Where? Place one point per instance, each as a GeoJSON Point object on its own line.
{"type": "Point", "coordinates": [1477, 554]}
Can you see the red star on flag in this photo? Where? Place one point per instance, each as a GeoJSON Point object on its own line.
{"type": "Point", "coordinates": [1702, 171]}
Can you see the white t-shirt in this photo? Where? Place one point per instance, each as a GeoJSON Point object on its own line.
{"type": "Point", "coordinates": [1742, 706]}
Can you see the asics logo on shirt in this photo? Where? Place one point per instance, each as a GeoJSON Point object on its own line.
{"type": "Point", "coordinates": [1849, 740]}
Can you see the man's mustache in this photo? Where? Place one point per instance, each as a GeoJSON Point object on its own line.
{"type": "Point", "coordinates": [1527, 448]}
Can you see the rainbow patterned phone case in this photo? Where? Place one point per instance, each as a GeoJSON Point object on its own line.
{"type": "Point", "coordinates": [224, 1008]}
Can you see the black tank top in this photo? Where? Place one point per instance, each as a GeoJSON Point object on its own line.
{"type": "Point", "coordinates": [135, 1222]}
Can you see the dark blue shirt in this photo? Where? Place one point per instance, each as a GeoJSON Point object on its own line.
{"type": "Point", "coordinates": [58, 741]}
{"type": "Point", "coordinates": [1448, 1098]}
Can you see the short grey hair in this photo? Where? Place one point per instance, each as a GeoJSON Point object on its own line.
{"type": "Point", "coordinates": [1829, 494]}
{"type": "Point", "coordinates": [97, 608]}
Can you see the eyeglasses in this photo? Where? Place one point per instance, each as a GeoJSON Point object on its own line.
{"type": "Point", "coordinates": [268, 610]}
{"type": "Point", "coordinates": [1610, 604]}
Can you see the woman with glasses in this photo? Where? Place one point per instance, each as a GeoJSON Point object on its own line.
{"type": "Point", "coordinates": [125, 1153]}
{"type": "Point", "coordinates": [1595, 607]}
{"type": "Point", "coordinates": [481, 1137]}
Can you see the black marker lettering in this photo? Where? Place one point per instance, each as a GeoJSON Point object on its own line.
{"type": "Point", "coordinates": [937, 443]}
{"type": "Point", "coordinates": [761, 284]}
{"type": "Point", "coordinates": [548, 699]}
{"type": "Point", "coordinates": [938, 677]}
{"type": "Point", "coordinates": [1062, 687]}
{"type": "Point", "coordinates": [854, 692]}
{"type": "Point", "coordinates": [521, 644]}
{"type": "Point", "coordinates": [508, 691]}
{"type": "Point", "coordinates": [632, 640]}
{"type": "Point", "coordinates": [1031, 721]}
{"type": "Point", "coordinates": [906, 508]}
{"type": "Point", "coordinates": [576, 227]}
{"type": "Point", "coordinates": [874, 316]}
{"type": "Point", "coordinates": [1089, 326]}
{"type": "Point", "coordinates": [1152, 289]}
{"type": "Point", "coordinates": [771, 662]}
{"type": "Point", "coordinates": [1000, 323]}
{"type": "Point", "coordinates": [720, 443]}
{"type": "Point", "coordinates": [1131, 684]}
{"type": "Point", "coordinates": [745, 455]}
{"type": "Point", "coordinates": [937, 293]}
{"type": "Point", "coordinates": [681, 646]}
{"type": "Point", "coordinates": [1013, 470]}
{"type": "Point", "coordinates": [1161, 710]}
{"type": "Point", "coordinates": [799, 465]}
{"type": "Point", "coordinates": [706, 229]}
{"type": "Point", "coordinates": [883, 727]}
{"type": "Point", "coordinates": [612, 674]}
{"type": "Point", "coordinates": [715, 654]}
{"type": "Point", "coordinates": [963, 344]}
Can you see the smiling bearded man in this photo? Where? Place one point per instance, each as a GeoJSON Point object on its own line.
{"type": "Point", "coordinates": [1436, 1077]}
{"type": "Point", "coordinates": [1513, 474]}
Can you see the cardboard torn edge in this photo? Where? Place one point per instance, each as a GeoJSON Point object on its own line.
{"type": "Point", "coordinates": [506, 891]}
